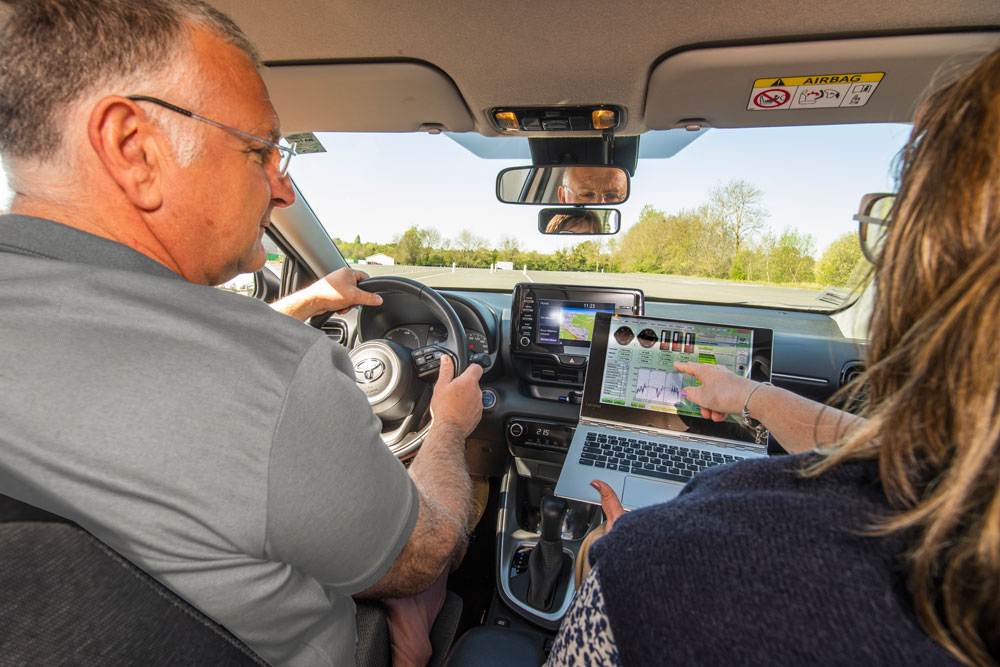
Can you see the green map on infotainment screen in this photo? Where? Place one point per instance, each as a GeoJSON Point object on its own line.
{"type": "Point", "coordinates": [568, 322]}
{"type": "Point", "coordinates": [576, 324]}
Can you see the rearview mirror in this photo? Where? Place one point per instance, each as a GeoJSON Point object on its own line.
{"type": "Point", "coordinates": [579, 221]}
{"type": "Point", "coordinates": [577, 185]}
{"type": "Point", "coordinates": [872, 225]}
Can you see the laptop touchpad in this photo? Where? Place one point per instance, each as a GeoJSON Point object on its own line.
{"type": "Point", "coordinates": [640, 492]}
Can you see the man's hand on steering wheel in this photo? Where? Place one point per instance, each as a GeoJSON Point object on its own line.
{"type": "Point", "coordinates": [337, 291]}
{"type": "Point", "coordinates": [457, 402]}
{"type": "Point", "coordinates": [395, 377]}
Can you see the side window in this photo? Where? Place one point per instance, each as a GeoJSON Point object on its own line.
{"type": "Point", "coordinates": [5, 193]}
{"type": "Point", "coordinates": [246, 283]}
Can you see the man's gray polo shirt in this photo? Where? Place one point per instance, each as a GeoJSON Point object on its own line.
{"type": "Point", "coordinates": [221, 446]}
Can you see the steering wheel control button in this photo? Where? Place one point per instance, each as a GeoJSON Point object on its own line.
{"type": "Point", "coordinates": [489, 399]}
{"type": "Point", "coordinates": [427, 360]}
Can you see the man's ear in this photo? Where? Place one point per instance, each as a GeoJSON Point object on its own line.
{"type": "Point", "coordinates": [130, 148]}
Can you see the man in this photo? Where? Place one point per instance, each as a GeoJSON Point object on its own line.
{"type": "Point", "coordinates": [593, 185]}
{"type": "Point", "coordinates": [219, 445]}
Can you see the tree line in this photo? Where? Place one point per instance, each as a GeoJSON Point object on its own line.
{"type": "Point", "coordinates": [726, 238]}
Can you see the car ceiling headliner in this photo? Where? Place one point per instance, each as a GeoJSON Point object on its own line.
{"type": "Point", "coordinates": [563, 52]}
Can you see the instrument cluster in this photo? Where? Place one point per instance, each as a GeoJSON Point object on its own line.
{"type": "Point", "coordinates": [414, 336]}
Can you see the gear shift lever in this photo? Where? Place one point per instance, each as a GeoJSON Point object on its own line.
{"type": "Point", "coordinates": [546, 559]}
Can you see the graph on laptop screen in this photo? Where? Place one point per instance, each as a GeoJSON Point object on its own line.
{"type": "Point", "coordinates": [639, 365]}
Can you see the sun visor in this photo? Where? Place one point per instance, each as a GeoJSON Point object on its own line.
{"type": "Point", "coordinates": [869, 80]}
{"type": "Point", "coordinates": [366, 97]}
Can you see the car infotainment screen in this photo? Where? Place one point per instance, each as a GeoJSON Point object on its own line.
{"type": "Point", "coordinates": [568, 322]}
{"type": "Point", "coordinates": [557, 321]}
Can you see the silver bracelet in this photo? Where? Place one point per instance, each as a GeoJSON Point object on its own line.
{"type": "Point", "coordinates": [750, 422]}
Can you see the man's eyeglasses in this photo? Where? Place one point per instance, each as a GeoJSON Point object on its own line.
{"type": "Point", "coordinates": [594, 197]}
{"type": "Point", "coordinates": [285, 153]}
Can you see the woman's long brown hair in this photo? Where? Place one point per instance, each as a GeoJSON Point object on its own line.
{"type": "Point", "coordinates": [933, 372]}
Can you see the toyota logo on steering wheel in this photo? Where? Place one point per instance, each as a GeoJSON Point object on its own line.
{"type": "Point", "coordinates": [368, 370]}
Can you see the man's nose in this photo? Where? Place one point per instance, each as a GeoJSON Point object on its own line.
{"type": "Point", "coordinates": [282, 190]}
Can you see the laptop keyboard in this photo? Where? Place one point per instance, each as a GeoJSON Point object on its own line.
{"type": "Point", "coordinates": [651, 459]}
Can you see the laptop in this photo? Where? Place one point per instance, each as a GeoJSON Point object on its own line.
{"type": "Point", "coordinates": [636, 432]}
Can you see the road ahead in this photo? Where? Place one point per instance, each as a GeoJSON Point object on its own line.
{"type": "Point", "coordinates": [655, 286]}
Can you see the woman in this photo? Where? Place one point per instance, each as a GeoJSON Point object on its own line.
{"type": "Point", "coordinates": [585, 222]}
{"type": "Point", "coordinates": [884, 546]}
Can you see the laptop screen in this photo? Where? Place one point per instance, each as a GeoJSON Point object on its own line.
{"type": "Point", "coordinates": [631, 377]}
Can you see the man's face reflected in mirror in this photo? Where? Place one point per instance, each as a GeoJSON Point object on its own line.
{"type": "Point", "coordinates": [593, 185]}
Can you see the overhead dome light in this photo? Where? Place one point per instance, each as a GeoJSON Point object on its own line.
{"type": "Point", "coordinates": [592, 118]}
{"type": "Point", "coordinates": [507, 120]}
{"type": "Point", "coordinates": [603, 119]}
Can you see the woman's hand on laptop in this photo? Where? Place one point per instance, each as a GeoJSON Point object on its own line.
{"type": "Point", "coordinates": [720, 393]}
{"type": "Point", "coordinates": [609, 503]}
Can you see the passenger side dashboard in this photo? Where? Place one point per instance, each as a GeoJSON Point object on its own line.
{"type": "Point", "coordinates": [810, 357]}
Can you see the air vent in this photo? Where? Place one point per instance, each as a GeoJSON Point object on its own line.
{"type": "Point", "coordinates": [851, 371]}
{"type": "Point", "coordinates": [336, 330]}
{"type": "Point", "coordinates": [548, 371]}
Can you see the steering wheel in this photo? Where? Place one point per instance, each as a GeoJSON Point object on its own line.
{"type": "Point", "coordinates": [396, 379]}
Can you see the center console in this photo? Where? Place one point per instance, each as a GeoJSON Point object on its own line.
{"type": "Point", "coordinates": [539, 536]}
{"type": "Point", "coordinates": [521, 530]}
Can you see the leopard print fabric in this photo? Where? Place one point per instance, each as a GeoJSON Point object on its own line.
{"type": "Point", "coordinates": [585, 636]}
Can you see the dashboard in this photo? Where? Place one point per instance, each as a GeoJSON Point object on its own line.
{"type": "Point", "coordinates": [535, 385]}
{"type": "Point", "coordinates": [405, 320]}
{"type": "Point", "coordinates": [413, 336]}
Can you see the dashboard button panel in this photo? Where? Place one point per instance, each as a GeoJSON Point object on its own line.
{"type": "Point", "coordinates": [572, 360]}
{"type": "Point", "coordinates": [540, 435]}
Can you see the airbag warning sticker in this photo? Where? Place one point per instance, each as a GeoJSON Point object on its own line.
{"type": "Point", "coordinates": [819, 91]}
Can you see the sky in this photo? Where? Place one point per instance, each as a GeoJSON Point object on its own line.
{"type": "Point", "coordinates": [377, 185]}
{"type": "Point", "coordinates": [812, 178]}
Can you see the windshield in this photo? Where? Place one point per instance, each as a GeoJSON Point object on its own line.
{"type": "Point", "coordinates": [757, 216]}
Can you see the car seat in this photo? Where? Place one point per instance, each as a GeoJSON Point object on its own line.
{"type": "Point", "coordinates": [66, 598]}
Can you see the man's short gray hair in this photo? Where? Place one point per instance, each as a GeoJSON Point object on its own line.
{"type": "Point", "coordinates": [53, 52]}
